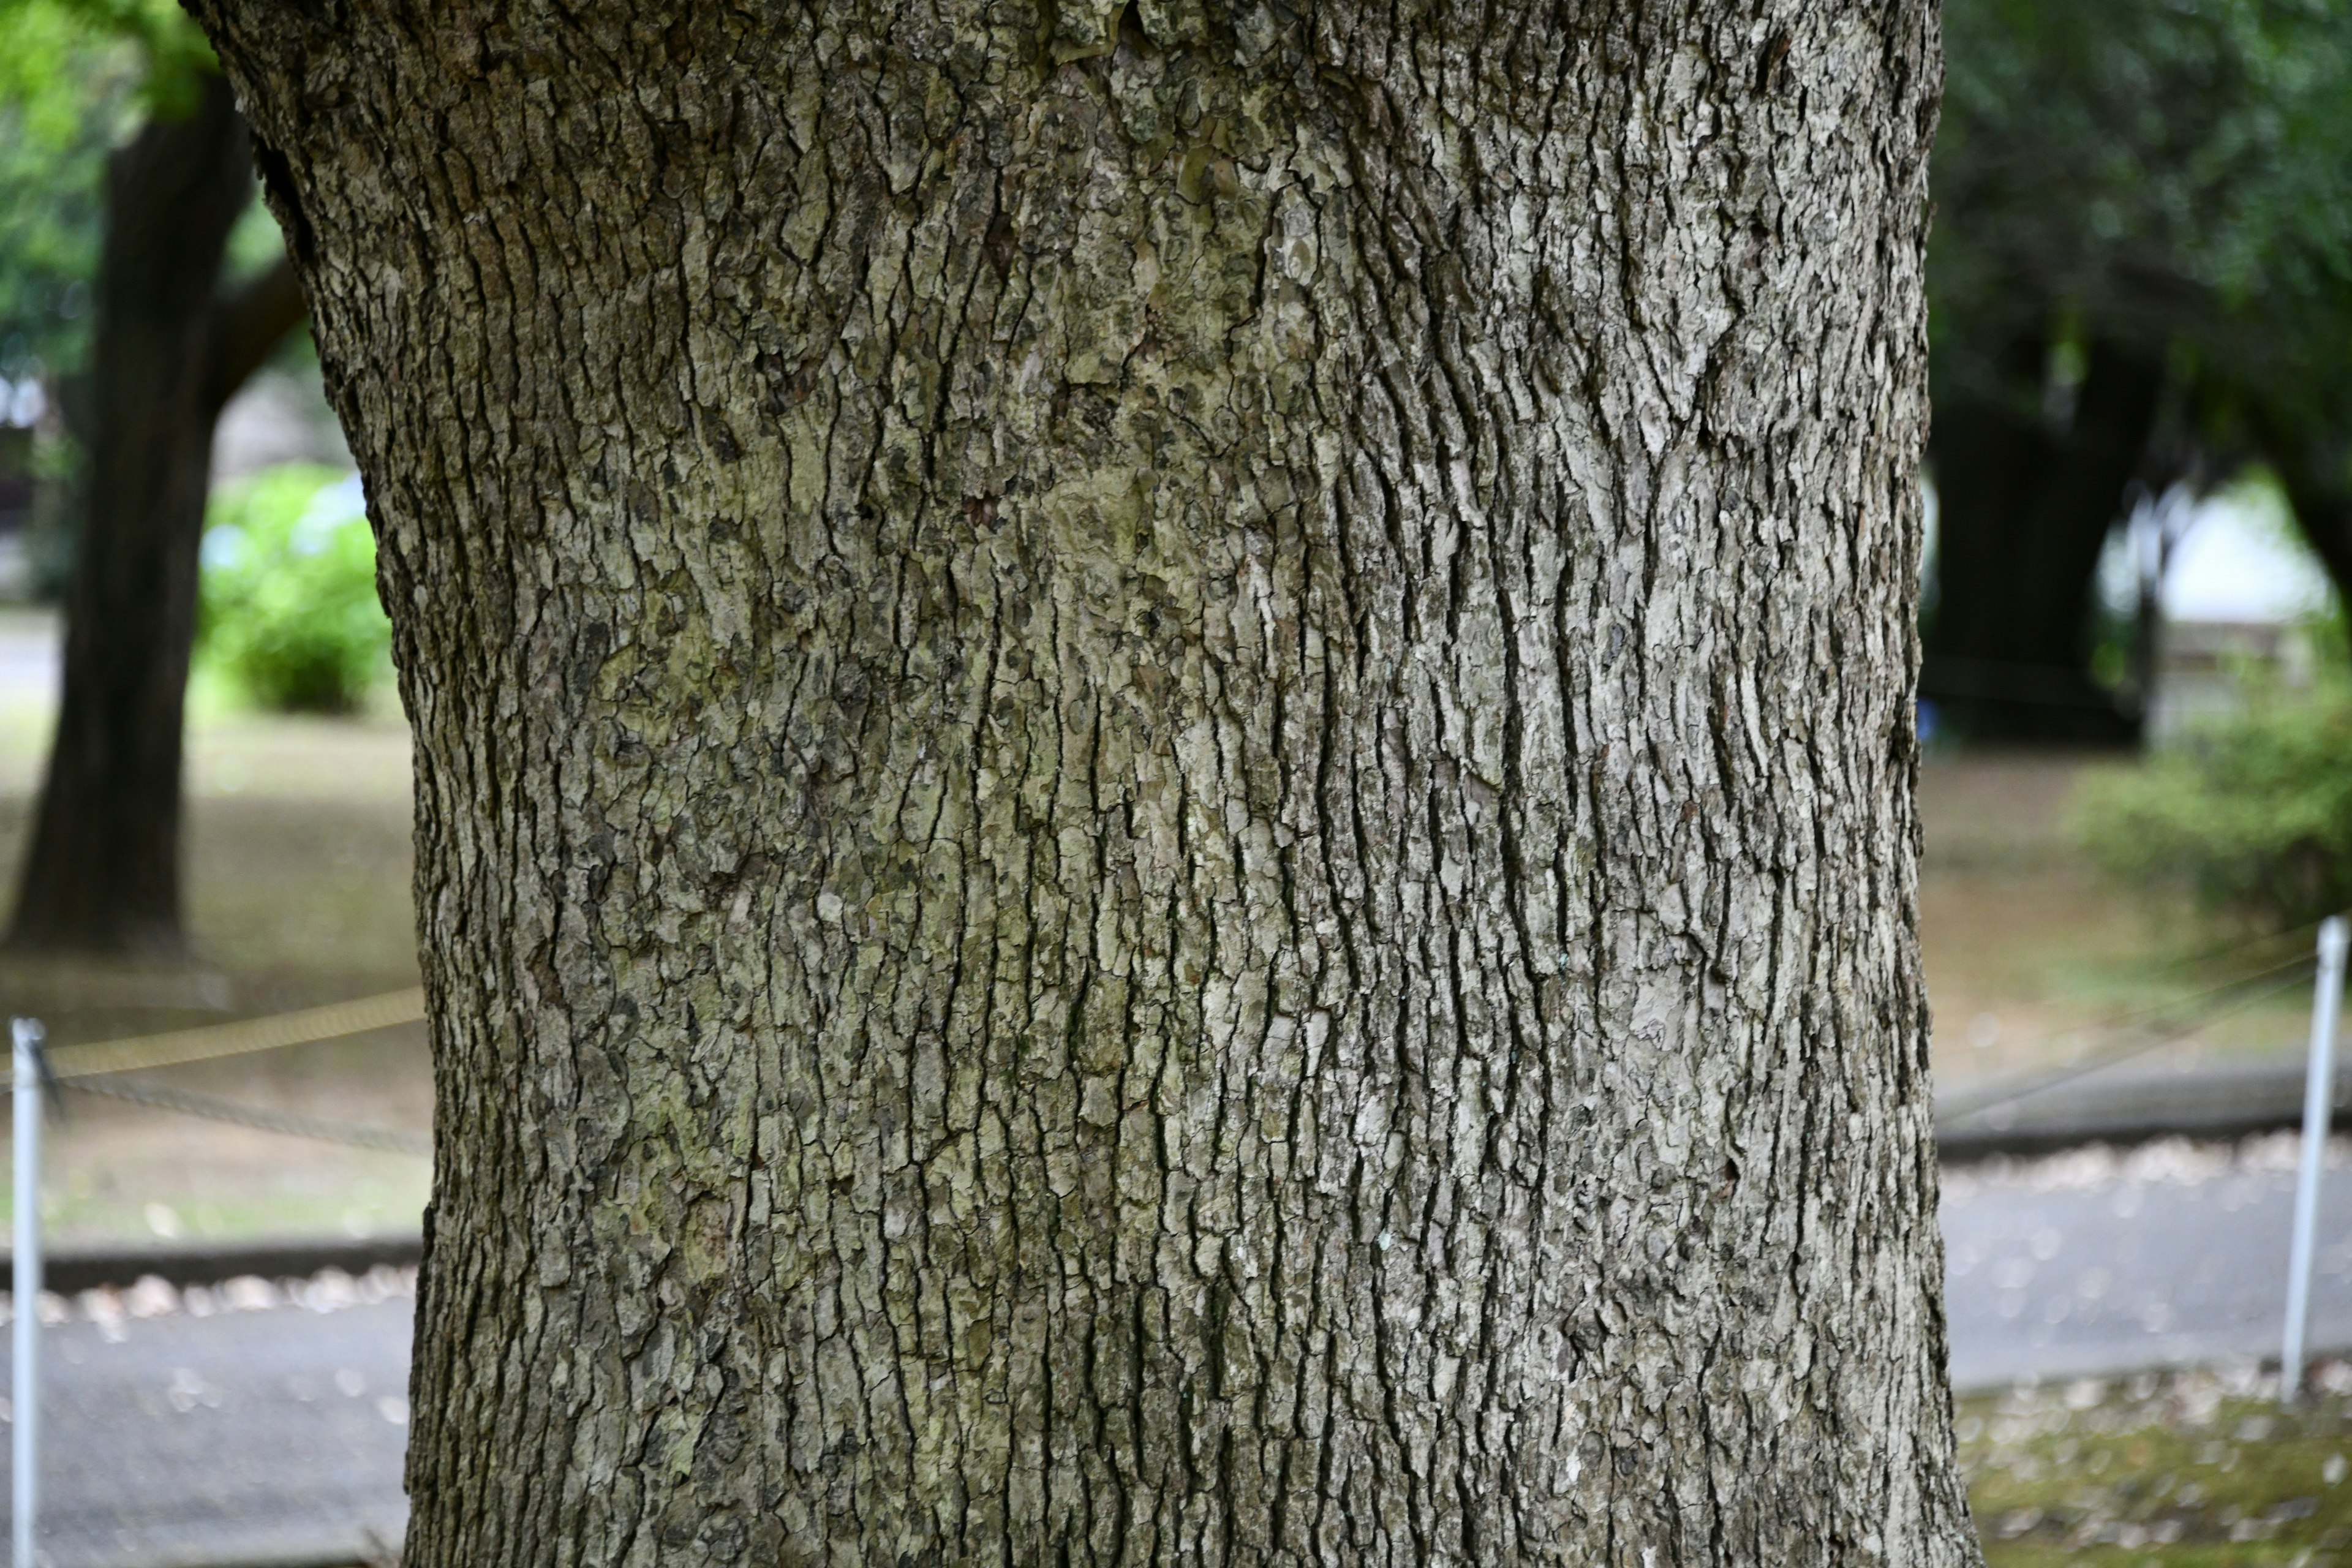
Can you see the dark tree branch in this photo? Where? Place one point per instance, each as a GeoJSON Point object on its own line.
{"type": "Point", "coordinates": [248, 324]}
{"type": "Point", "coordinates": [2323, 512]}
{"type": "Point", "coordinates": [2318, 490]}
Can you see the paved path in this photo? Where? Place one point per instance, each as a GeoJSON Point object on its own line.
{"type": "Point", "coordinates": [271, 1436]}
{"type": "Point", "coordinates": [30, 655]}
{"type": "Point", "coordinates": [2090, 1263]}
{"type": "Point", "coordinates": [275, 1435]}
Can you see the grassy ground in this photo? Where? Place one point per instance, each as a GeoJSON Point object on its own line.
{"type": "Point", "coordinates": [2196, 1470]}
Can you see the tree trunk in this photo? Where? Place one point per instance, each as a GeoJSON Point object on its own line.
{"type": "Point", "coordinates": [2322, 513]}
{"type": "Point", "coordinates": [1164, 760]}
{"type": "Point", "coordinates": [102, 874]}
{"type": "Point", "coordinates": [2023, 512]}
{"type": "Point", "coordinates": [2314, 466]}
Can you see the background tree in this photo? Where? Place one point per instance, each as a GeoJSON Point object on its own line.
{"type": "Point", "coordinates": [2142, 275]}
{"type": "Point", "coordinates": [1164, 769]}
{"type": "Point", "coordinates": [171, 341]}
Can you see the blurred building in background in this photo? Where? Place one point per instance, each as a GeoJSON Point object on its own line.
{"type": "Point", "coordinates": [2237, 599]}
{"type": "Point", "coordinates": [23, 401]}
{"type": "Point", "coordinates": [278, 418]}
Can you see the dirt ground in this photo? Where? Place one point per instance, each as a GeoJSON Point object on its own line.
{"type": "Point", "coordinates": [2034, 957]}
{"type": "Point", "coordinates": [298, 881]}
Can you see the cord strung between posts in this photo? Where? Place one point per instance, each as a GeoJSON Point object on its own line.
{"type": "Point", "coordinates": [294, 1126]}
{"type": "Point", "coordinates": [268, 1034]}
{"type": "Point", "coordinates": [2203, 1005]}
{"type": "Point", "coordinates": [76, 1067]}
{"type": "Point", "coordinates": [2205, 1008]}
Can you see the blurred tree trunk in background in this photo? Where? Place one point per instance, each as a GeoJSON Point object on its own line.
{"type": "Point", "coordinates": [2025, 500]}
{"type": "Point", "coordinates": [2314, 465]}
{"type": "Point", "coordinates": [1164, 770]}
{"type": "Point", "coordinates": [102, 874]}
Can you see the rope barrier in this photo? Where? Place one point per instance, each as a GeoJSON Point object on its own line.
{"type": "Point", "coordinates": [2205, 1008]}
{"type": "Point", "coordinates": [77, 1067]}
{"type": "Point", "coordinates": [294, 1126]}
{"type": "Point", "coordinates": [273, 1033]}
{"type": "Point", "coordinates": [2202, 1006]}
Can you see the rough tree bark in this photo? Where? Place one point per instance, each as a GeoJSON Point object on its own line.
{"type": "Point", "coordinates": [103, 873]}
{"type": "Point", "coordinates": [1164, 770]}
{"type": "Point", "coordinates": [2023, 512]}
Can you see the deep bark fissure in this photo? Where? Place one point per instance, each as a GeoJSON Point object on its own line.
{"type": "Point", "coordinates": [1163, 788]}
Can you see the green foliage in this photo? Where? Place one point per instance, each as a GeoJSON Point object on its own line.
{"type": "Point", "coordinates": [289, 611]}
{"type": "Point", "coordinates": [66, 97]}
{"type": "Point", "coordinates": [2253, 813]}
{"type": "Point", "coordinates": [46, 36]}
{"type": "Point", "coordinates": [2169, 173]}
{"type": "Point", "coordinates": [77, 79]}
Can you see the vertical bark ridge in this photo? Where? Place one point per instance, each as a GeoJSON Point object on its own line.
{"type": "Point", "coordinates": [1164, 771]}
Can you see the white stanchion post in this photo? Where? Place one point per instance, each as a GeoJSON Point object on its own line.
{"type": "Point", "coordinates": [24, 1393]}
{"type": "Point", "coordinates": [2318, 1095]}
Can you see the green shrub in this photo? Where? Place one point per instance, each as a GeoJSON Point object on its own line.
{"type": "Point", "coordinates": [288, 610]}
{"type": "Point", "coordinates": [2253, 813]}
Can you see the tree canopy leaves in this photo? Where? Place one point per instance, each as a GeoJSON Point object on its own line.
{"type": "Point", "coordinates": [2168, 175]}
{"type": "Point", "coordinates": [77, 79]}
